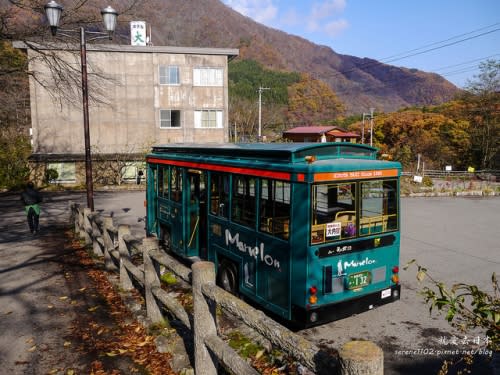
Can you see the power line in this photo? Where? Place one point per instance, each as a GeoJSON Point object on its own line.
{"type": "Point", "coordinates": [442, 41]}
{"type": "Point", "coordinates": [444, 45]}
{"type": "Point", "coordinates": [409, 53]}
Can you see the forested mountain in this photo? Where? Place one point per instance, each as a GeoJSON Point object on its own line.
{"type": "Point", "coordinates": [360, 83]}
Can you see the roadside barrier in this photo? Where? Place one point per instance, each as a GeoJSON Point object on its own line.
{"type": "Point", "coordinates": [116, 245]}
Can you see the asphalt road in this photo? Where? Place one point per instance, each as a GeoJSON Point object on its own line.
{"type": "Point", "coordinates": [456, 239]}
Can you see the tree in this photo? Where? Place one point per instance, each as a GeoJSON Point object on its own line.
{"type": "Point", "coordinates": [481, 106]}
{"type": "Point", "coordinates": [23, 20]}
{"type": "Point", "coordinates": [14, 118]}
{"type": "Point", "coordinates": [312, 101]}
{"type": "Point", "coordinates": [440, 139]}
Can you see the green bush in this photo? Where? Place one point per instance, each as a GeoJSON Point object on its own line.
{"type": "Point", "coordinates": [427, 181]}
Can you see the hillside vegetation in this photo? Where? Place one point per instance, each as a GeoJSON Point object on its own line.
{"type": "Point", "coordinates": [360, 83]}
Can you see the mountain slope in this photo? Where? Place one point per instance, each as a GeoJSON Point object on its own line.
{"type": "Point", "coordinates": [361, 83]}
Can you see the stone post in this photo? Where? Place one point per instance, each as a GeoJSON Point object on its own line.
{"type": "Point", "coordinates": [361, 358]}
{"type": "Point", "coordinates": [87, 226]}
{"type": "Point", "coordinates": [151, 279]}
{"type": "Point", "coordinates": [204, 319]}
{"type": "Point", "coordinates": [125, 282]}
{"type": "Point", "coordinates": [108, 242]}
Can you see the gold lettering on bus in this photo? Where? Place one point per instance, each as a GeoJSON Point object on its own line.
{"type": "Point", "coordinates": [333, 176]}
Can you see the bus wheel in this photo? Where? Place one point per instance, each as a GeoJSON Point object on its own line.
{"type": "Point", "coordinates": [227, 277]}
{"type": "Point", "coordinates": [167, 239]}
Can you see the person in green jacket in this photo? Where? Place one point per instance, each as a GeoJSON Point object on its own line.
{"type": "Point", "coordinates": [31, 198]}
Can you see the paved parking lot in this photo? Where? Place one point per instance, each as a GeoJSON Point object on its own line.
{"type": "Point", "coordinates": [455, 238]}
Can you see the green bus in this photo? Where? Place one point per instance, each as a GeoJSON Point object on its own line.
{"type": "Point", "coordinates": [307, 231]}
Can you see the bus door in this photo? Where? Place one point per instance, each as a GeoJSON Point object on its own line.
{"type": "Point", "coordinates": [152, 198]}
{"type": "Point", "coordinates": [196, 215]}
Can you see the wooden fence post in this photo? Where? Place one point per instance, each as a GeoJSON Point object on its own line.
{"type": "Point", "coordinates": [108, 242]}
{"type": "Point", "coordinates": [125, 281]}
{"type": "Point", "coordinates": [360, 358]}
{"type": "Point", "coordinates": [204, 319]}
{"type": "Point", "coordinates": [151, 279]}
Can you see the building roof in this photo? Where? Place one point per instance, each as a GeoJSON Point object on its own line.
{"type": "Point", "coordinates": [340, 133]}
{"type": "Point", "coordinates": [319, 130]}
{"type": "Point", "coordinates": [230, 52]}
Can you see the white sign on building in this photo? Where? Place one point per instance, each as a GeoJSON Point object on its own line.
{"type": "Point", "coordinates": [138, 33]}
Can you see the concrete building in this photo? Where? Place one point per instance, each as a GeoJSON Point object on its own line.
{"type": "Point", "coordinates": [139, 96]}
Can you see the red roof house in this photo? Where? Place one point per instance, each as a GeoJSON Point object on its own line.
{"type": "Point", "coordinates": [320, 134]}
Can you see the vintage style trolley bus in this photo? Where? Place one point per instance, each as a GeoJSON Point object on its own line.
{"type": "Point", "coordinates": [307, 231]}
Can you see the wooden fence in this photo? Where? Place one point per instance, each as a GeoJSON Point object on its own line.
{"type": "Point", "coordinates": [116, 245]}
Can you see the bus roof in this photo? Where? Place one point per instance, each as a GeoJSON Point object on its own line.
{"type": "Point", "coordinates": [284, 152]}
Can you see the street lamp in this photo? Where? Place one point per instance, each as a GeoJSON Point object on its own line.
{"type": "Point", "coordinates": [53, 11]}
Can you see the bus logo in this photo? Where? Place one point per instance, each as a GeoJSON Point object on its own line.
{"type": "Point", "coordinates": [353, 264]}
{"type": "Point", "coordinates": [257, 252]}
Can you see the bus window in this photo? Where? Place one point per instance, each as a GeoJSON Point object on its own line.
{"type": "Point", "coordinates": [378, 206]}
{"type": "Point", "coordinates": [176, 184]}
{"type": "Point", "coordinates": [163, 182]}
{"type": "Point", "coordinates": [333, 212]}
{"type": "Point", "coordinates": [219, 194]}
{"type": "Point", "coordinates": [243, 203]}
{"type": "Point", "coordinates": [275, 207]}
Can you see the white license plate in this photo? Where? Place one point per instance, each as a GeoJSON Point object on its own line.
{"type": "Point", "coordinates": [386, 293]}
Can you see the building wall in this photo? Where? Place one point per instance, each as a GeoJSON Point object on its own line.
{"type": "Point", "coordinates": [125, 118]}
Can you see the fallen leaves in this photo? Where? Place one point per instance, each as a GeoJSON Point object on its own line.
{"type": "Point", "coordinates": [112, 333]}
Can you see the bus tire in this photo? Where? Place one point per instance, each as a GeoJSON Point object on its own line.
{"type": "Point", "coordinates": [227, 277]}
{"type": "Point", "coordinates": [166, 239]}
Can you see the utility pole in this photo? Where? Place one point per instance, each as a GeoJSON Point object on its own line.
{"type": "Point", "coordinates": [371, 126]}
{"type": "Point", "coordinates": [260, 110]}
{"type": "Point", "coordinates": [363, 128]}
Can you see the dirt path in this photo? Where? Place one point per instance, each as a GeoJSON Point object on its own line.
{"type": "Point", "coordinates": [58, 312]}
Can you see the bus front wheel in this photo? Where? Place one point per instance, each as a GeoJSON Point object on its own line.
{"type": "Point", "coordinates": [227, 277]}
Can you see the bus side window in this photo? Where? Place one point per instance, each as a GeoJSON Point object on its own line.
{"type": "Point", "coordinates": [176, 184]}
{"type": "Point", "coordinates": [219, 193]}
{"type": "Point", "coordinates": [275, 207]}
{"type": "Point", "coordinates": [243, 203]}
{"type": "Point", "coordinates": [163, 181]}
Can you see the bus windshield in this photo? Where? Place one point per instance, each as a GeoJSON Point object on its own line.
{"type": "Point", "coordinates": [352, 209]}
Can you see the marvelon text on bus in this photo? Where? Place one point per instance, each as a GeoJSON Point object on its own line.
{"type": "Point", "coordinates": [307, 231]}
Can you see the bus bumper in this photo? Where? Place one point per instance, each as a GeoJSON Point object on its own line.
{"type": "Point", "coordinates": [327, 313]}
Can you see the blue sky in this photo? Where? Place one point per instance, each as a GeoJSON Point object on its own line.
{"type": "Point", "coordinates": [441, 36]}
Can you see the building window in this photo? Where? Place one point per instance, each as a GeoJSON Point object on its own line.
{"type": "Point", "coordinates": [169, 75]}
{"type": "Point", "coordinates": [208, 77]}
{"type": "Point", "coordinates": [208, 119]}
{"type": "Point", "coordinates": [170, 119]}
{"type": "Point", "coordinates": [66, 172]}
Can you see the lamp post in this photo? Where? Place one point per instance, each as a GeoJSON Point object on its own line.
{"type": "Point", "coordinates": [53, 11]}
